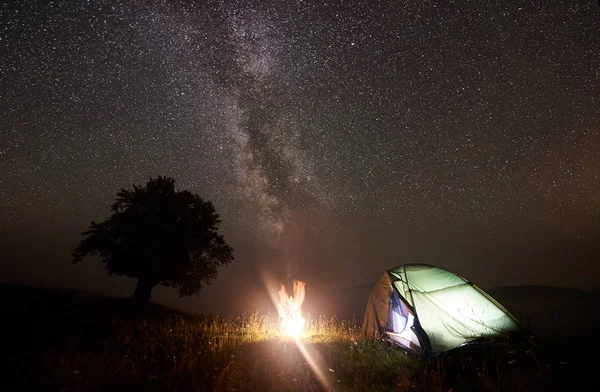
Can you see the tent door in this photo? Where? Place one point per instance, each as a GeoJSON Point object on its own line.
{"type": "Point", "coordinates": [399, 325]}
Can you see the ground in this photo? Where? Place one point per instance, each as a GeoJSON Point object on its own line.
{"type": "Point", "coordinates": [63, 341]}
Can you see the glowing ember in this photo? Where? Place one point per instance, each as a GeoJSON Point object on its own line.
{"type": "Point", "coordinates": [290, 309]}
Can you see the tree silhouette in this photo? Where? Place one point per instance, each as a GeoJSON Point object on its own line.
{"type": "Point", "coordinates": [159, 236]}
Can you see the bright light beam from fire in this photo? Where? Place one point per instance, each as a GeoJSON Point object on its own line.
{"type": "Point", "coordinates": [314, 365]}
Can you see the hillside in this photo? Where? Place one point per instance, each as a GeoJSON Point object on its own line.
{"type": "Point", "coordinates": [552, 312]}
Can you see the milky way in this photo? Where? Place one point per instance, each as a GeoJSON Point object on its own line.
{"type": "Point", "coordinates": [342, 125]}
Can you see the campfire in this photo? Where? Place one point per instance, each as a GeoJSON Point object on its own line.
{"type": "Point", "coordinates": [290, 309]}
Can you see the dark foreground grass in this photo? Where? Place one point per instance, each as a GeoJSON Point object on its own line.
{"type": "Point", "coordinates": [62, 342]}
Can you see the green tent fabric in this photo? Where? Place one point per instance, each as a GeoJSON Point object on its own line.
{"type": "Point", "coordinates": [427, 309]}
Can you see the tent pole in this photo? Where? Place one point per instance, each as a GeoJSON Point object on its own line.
{"type": "Point", "coordinates": [409, 290]}
{"type": "Point", "coordinates": [419, 331]}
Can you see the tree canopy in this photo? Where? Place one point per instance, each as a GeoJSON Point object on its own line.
{"type": "Point", "coordinates": [159, 236]}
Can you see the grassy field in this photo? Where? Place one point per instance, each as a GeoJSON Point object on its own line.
{"type": "Point", "coordinates": [65, 342]}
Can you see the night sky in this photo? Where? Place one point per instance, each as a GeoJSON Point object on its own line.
{"type": "Point", "coordinates": [336, 139]}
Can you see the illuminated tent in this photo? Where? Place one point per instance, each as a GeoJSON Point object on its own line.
{"type": "Point", "coordinates": [428, 310]}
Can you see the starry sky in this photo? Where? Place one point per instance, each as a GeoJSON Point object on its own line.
{"type": "Point", "coordinates": [336, 139]}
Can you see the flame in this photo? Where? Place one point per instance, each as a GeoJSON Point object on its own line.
{"type": "Point", "coordinates": [290, 309]}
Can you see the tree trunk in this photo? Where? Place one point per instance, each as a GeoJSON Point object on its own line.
{"type": "Point", "coordinates": [143, 290]}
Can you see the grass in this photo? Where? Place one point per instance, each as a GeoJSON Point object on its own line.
{"type": "Point", "coordinates": [185, 353]}
{"type": "Point", "coordinates": [68, 343]}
